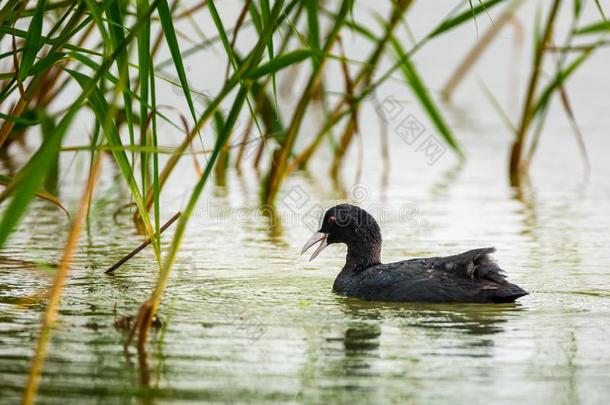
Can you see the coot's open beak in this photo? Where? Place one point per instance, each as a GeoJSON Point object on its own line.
{"type": "Point", "coordinates": [315, 238]}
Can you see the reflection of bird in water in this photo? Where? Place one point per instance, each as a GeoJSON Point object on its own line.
{"type": "Point", "coordinates": [466, 318]}
{"type": "Point", "coordinates": [473, 320]}
{"type": "Point", "coordinates": [471, 276]}
{"type": "Point", "coordinates": [361, 337]}
{"type": "Point", "coordinates": [435, 329]}
{"type": "Point", "coordinates": [360, 345]}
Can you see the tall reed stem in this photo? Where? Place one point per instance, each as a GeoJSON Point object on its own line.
{"type": "Point", "coordinates": [515, 165]}
{"type": "Point", "coordinates": [50, 315]}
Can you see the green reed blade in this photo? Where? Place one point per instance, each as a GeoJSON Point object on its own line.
{"type": "Point", "coordinates": [558, 81]}
{"type": "Point", "coordinates": [145, 78]}
{"type": "Point", "coordinates": [115, 28]}
{"type": "Point", "coordinates": [280, 62]}
{"type": "Point", "coordinates": [595, 28]}
{"type": "Point", "coordinates": [467, 15]}
{"type": "Point", "coordinates": [33, 42]}
{"type": "Point", "coordinates": [100, 107]}
{"type": "Point", "coordinates": [172, 42]}
{"type": "Point", "coordinates": [18, 120]}
{"type": "Point", "coordinates": [421, 93]}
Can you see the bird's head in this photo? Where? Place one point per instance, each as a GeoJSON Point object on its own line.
{"type": "Point", "coordinates": [349, 224]}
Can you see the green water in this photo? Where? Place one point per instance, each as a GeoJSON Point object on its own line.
{"type": "Point", "coordinates": [247, 319]}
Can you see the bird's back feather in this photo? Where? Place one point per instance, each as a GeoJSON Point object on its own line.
{"type": "Point", "coordinates": [471, 276]}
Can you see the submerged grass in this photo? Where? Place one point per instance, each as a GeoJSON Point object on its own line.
{"type": "Point", "coordinates": [106, 49]}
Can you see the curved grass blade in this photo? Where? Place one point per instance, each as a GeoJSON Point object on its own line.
{"type": "Point", "coordinates": [421, 92]}
{"type": "Point", "coordinates": [18, 120]}
{"type": "Point", "coordinates": [29, 179]}
{"type": "Point", "coordinates": [100, 108]}
{"type": "Point", "coordinates": [46, 63]}
{"type": "Point", "coordinates": [7, 181]}
{"type": "Point", "coordinates": [279, 63]}
{"type": "Point", "coordinates": [7, 9]}
{"type": "Point", "coordinates": [94, 66]}
{"type": "Point", "coordinates": [558, 81]}
{"type": "Point", "coordinates": [601, 26]}
{"type": "Point", "coordinates": [467, 15]}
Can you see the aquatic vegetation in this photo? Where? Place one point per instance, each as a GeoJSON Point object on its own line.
{"type": "Point", "coordinates": [104, 59]}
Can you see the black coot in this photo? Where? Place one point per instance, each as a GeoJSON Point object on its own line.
{"type": "Point", "coordinates": [471, 276]}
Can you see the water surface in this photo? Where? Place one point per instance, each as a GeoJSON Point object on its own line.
{"type": "Point", "coordinates": [246, 319]}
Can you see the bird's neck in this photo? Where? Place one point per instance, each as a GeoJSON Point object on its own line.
{"type": "Point", "coordinates": [362, 255]}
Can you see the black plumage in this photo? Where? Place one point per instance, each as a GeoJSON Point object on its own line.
{"type": "Point", "coordinates": [471, 276]}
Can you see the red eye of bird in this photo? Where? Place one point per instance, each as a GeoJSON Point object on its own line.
{"type": "Point", "coordinates": [331, 220]}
